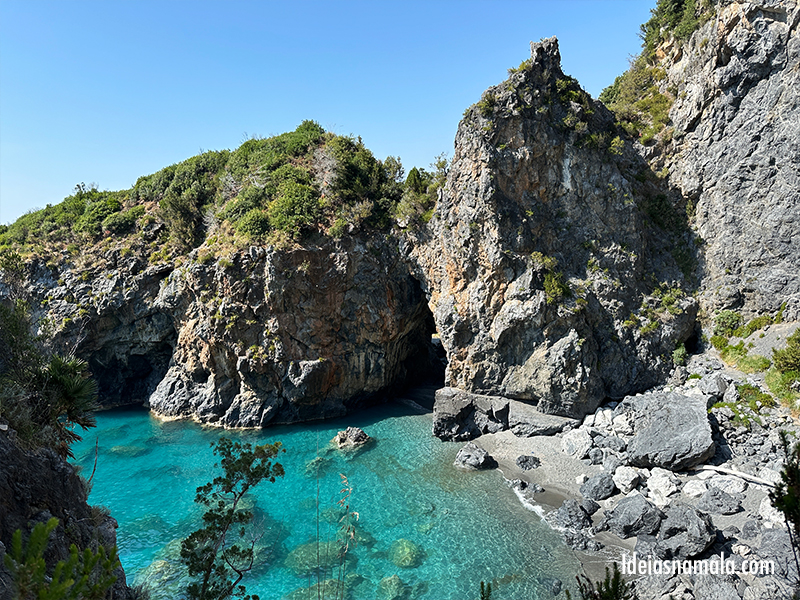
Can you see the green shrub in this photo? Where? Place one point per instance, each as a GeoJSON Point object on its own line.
{"type": "Point", "coordinates": [719, 342]}
{"type": "Point", "coordinates": [296, 207]}
{"type": "Point", "coordinates": [123, 222]}
{"type": "Point", "coordinates": [486, 104]}
{"type": "Point", "coordinates": [726, 322]}
{"type": "Point", "coordinates": [788, 359]}
{"type": "Point", "coordinates": [254, 224]}
{"type": "Point", "coordinates": [554, 287]}
{"type": "Point", "coordinates": [750, 395]}
{"type": "Point", "coordinates": [746, 331]}
{"type": "Point", "coordinates": [679, 355]}
{"type": "Point", "coordinates": [780, 384]}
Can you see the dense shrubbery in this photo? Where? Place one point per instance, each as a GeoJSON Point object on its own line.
{"type": "Point", "coordinates": [272, 189]}
{"type": "Point", "coordinates": [635, 96]}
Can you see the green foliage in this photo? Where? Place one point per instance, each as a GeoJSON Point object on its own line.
{"type": "Point", "coordinates": [486, 104]}
{"type": "Point", "coordinates": [191, 190]}
{"type": "Point", "coordinates": [555, 288]}
{"type": "Point", "coordinates": [295, 207]}
{"type": "Point", "coordinates": [421, 192]}
{"type": "Point", "coordinates": [750, 395]}
{"type": "Point", "coordinates": [788, 359]}
{"type": "Point", "coordinates": [753, 325]}
{"type": "Point", "coordinates": [679, 355]}
{"type": "Point", "coordinates": [43, 397]}
{"type": "Point", "coordinates": [219, 554]}
{"type": "Point", "coordinates": [122, 222]}
{"type": "Point", "coordinates": [780, 384]}
{"type": "Point", "coordinates": [613, 587]}
{"type": "Point", "coordinates": [726, 322]}
{"type": "Point", "coordinates": [719, 342]}
{"type": "Point", "coordinates": [83, 576]}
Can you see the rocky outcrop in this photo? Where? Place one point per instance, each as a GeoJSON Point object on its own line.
{"type": "Point", "coordinates": [539, 263]}
{"type": "Point", "coordinates": [271, 336]}
{"type": "Point", "coordinates": [38, 485]}
{"type": "Point", "coordinates": [735, 154]}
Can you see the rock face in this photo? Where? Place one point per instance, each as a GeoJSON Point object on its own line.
{"type": "Point", "coordinates": [538, 261]}
{"type": "Point", "coordinates": [35, 486]}
{"type": "Point", "coordinates": [286, 336]}
{"type": "Point", "coordinates": [735, 152]}
{"type": "Point", "coordinates": [670, 431]}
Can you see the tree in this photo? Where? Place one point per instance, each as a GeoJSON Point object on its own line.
{"type": "Point", "coordinates": [221, 552]}
{"type": "Point", "coordinates": [84, 575]}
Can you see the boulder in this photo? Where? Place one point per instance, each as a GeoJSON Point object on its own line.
{"type": "Point", "coordinates": [473, 458]}
{"type": "Point", "coordinates": [528, 462]}
{"type": "Point", "coordinates": [570, 515]}
{"type": "Point", "coordinates": [769, 513]}
{"type": "Point", "coordinates": [685, 533]}
{"type": "Point", "coordinates": [633, 516]}
{"type": "Point", "coordinates": [392, 588]}
{"type": "Point", "coordinates": [719, 503]}
{"type": "Point", "coordinates": [626, 479]}
{"type": "Point", "coordinates": [351, 438]}
{"type": "Point", "coordinates": [576, 443]}
{"type": "Point", "coordinates": [728, 483]}
{"type": "Point", "coordinates": [694, 488]}
{"type": "Point", "coordinates": [671, 431]}
{"type": "Point", "coordinates": [661, 485]}
{"type": "Point", "coordinates": [599, 487]}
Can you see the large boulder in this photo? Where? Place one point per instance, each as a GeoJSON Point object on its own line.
{"type": "Point", "coordinates": [473, 458]}
{"type": "Point", "coordinates": [685, 533]}
{"type": "Point", "coordinates": [719, 502]}
{"type": "Point", "coordinates": [670, 431]}
{"type": "Point", "coordinates": [599, 487]}
{"type": "Point", "coordinates": [633, 516]}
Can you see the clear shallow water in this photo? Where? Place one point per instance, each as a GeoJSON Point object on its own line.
{"type": "Point", "coordinates": [470, 526]}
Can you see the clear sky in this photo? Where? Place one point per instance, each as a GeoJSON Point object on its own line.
{"type": "Point", "coordinates": [106, 91]}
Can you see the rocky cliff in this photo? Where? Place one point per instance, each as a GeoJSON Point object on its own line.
{"type": "Point", "coordinates": [549, 261]}
{"type": "Point", "coordinates": [38, 485]}
{"type": "Point", "coordinates": [735, 154]}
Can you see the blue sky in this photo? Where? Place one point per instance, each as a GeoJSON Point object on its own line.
{"type": "Point", "coordinates": [106, 91]}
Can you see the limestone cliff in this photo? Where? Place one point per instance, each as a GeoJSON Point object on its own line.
{"type": "Point", "coordinates": [735, 153]}
{"type": "Point", "coordinates": [548, 274]}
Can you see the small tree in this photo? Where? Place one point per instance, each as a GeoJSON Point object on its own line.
{"type": "Point", "coordinates": [220, 553]}
{"type": "Point", "coordinates": [84, 575]}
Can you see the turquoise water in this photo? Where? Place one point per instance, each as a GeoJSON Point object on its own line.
{"type": "Point", "coordinates": [469, 526]}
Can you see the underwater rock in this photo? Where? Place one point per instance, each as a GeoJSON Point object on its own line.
{"type": "Point", "coordinates": [309, 558]}
{"type": "Point", "coordinates": [130, 451]}
{"type": "Point", "coordinates": [392, 588]}
{"type": "Point", "coordinates": [406, 554]}
{"type": "Point", "coordinates": [316, 467]}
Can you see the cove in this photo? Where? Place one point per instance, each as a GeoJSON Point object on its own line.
{"type": "Point", "coordinates": [469, 526]}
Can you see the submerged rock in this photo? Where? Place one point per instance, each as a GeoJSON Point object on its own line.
{"type": "Point", "coordinates": [406, 554]}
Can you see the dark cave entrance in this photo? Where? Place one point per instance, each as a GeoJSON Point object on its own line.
{"type": "Point", "coordinates": [127, 376]}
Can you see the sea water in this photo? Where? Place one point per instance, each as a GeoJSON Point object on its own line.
{"type": "Point", "coordinates": [466, 527]}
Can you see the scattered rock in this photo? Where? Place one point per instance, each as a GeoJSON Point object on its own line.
{"type": "Point", "coordinates": [769, 513]}
{"type": "Point", "coordinates": [528, 462]}
{"type": "Point", "coordinates": [694, 488]}
{"type": "Point", "coordinates": [626, 479]}
{"type": "Point", "coordinates": [599, 487]}
{"type": "Point", "coordinates": [570, 515]}
{"type": "Point", "coordinates": [473, 457]}
{"type": "Point", "coordinates": [576, 443]}
{"type": "Point", "coordinates": [685, 533]}
{"type": "Point", "coordinates": [719, 502]}
{"type": "Point", "coordinates": [633, 516]}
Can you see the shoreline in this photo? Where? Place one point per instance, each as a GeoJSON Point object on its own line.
{"type": "Point", "coordinates": [557, 475]}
